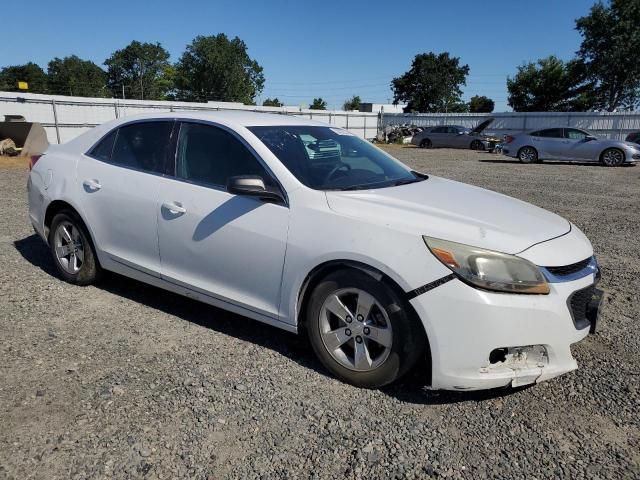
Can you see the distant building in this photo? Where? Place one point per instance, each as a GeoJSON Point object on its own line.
{"type": "Point", "coordinates": [381, 107]}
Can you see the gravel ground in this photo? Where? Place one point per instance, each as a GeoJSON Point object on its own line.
{"type": "Point", "coordinates": [124, 380]}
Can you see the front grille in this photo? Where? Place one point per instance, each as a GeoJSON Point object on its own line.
{"type": "Point", "coordinates": [579, 305]}
{"type": "Point", "coordinates": [569, 269]}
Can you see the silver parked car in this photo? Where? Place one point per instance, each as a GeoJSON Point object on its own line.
{"type": "Point", "coordinates": [455, 136]}
{"type": "Point", "coordinates": [570, 144]}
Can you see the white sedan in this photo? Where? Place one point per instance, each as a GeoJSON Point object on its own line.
{"type": "Point", "coordinates": [377, 264]}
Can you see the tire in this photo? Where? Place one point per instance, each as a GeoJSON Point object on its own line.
{"type": "Point", "coordinates": [389, 321]}
{"type": "Point", "coordinates": [528, 155]}
{"type": "Point", "coordinates": [476, 145]}
{"type": "Point", "coordinates": [612, 157]}
{"type": "Point", "coordinates": [75, 260]}
{"type": "Point", "coordinates": [426, 143]}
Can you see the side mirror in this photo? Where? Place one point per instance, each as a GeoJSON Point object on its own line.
{"type": "Point", "coordinates": [590, 138]}
{"type": "Point", "coordinates": [253, 186]}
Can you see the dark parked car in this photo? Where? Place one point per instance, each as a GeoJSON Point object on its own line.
{"type": "Point", "coordinates": [455, 136]}
{"type": "Point", "coordinates": [633, 137]}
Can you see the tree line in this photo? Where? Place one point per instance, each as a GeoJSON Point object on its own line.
{"type": "Point", "coordinates": [603, 75]}
{"type": "Point", "coordinates": [211, 68]}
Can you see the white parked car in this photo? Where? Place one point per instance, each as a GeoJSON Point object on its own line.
{"type": "Point", "coordinates": [378, 264]}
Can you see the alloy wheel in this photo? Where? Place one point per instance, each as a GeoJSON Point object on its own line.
{"type": "Point", "coordinates": [527, 155]}
{"type": "Point", "coordinates": [69, 247]}
{"type": "Point", "coordinates": [355, 329]}
{"type": "Point", "coordinates": [612, 157]}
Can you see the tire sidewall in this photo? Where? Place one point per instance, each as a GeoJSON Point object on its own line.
{"type": "Point", "coordinates": [89, 271]}
{"type": "Point", "coordinates": [425, 143]}
{"type": "Point", "coordinates": [408, 340]}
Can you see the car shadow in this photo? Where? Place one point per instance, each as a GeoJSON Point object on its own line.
{"type": "Point", "coordinates": [553, 162]}
{"type": "Point", "coordinates": [411, 389]}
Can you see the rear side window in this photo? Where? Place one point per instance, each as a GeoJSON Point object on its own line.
{"type": "Point", "coordinates": [551, 133]}
{"type": "Point", "coordinates": [143, 146]}
{"type": "Point", "coordinates": [439, 130]}
{"type": "Point", "coordinates": [102, 150]}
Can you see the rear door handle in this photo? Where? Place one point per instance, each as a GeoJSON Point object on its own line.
{"type": "Point", "coordinates": [174, 207]}
{"type": "Point", "coordinates": [92, 184]}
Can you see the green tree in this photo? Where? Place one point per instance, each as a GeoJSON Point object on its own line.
{"type": "Point", "coordinates": [29, 72]}
{"type": "Point", "coordinates": [318, 104]}
{"type": "Point", "coordinates": [272, 102]}
{"type": "Point", "coordinates": [217, 68]}
{"type": "Point", "coordinates": [352, 103]}
{"type": "Point", "coordinates": [550, 85]}
{"type": "Point", "coordinates": [609, 51]}
{"type": "Point", "coordinates": [432, 84]}
{"type": "Point", "coordinates": [481, 104]}
{"type": "Point", "coordinates": [74, 76]}
{"type": "Point", "coordinates": [142, 69]}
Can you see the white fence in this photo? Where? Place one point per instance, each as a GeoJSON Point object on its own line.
{"type": "Point", "coordinates": [611, 125]}
{"type": "Point", "coordinates": [66, 117]}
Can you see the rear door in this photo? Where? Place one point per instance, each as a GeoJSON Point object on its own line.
{"type": "Point", "coordinates": [439, 136]}
{"type": "Point", "coordinates": [118, 181]}
{"type": "Point", "coordinates": [550, 143]}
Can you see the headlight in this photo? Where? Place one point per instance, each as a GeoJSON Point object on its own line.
{"type": "Point", "coordinates": [488, 269]}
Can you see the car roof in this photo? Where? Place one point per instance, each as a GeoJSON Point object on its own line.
{"type": "Point", "coordinates": [230, 118]}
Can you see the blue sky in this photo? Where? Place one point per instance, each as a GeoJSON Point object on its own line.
{"type": "Point", "coordinates": [328, 48]}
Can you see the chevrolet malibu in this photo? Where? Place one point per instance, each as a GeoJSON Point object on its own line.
{"type": "Point", "coordinates": [378, 265]}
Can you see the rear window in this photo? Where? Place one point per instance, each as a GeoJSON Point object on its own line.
{"type": "Point", "coordinates": [102, 150]}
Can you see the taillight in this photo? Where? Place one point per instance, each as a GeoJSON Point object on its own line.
{"type": "Point", "coordinates": [33, 160]}
{"type": "Point", "coordinates": [508, 139]}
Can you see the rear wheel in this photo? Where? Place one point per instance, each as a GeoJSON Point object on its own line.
{"type": "Point", "coordinates": [361, 330]}
{"type": "Point", "coordinates": [528, 155]}
{"type": "Point", "coordinates": [72, 250]}
{"type": "Point", "coordinates": [477, 145]}
{"type": "Point", "coordinates": [426, 143]}
{"type": "Point", "coordinates": [612, 157]}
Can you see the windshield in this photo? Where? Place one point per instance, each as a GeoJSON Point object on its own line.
{"type": "Point", "coordinates": [325, 158]}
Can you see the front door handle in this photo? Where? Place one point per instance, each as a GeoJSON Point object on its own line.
{"type": "Point", "coordinates": [174, 207]}
{"type": "Point", "coordinates": [92, 185]}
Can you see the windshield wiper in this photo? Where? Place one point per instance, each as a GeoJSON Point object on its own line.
{"type": "Point", "coordinates": [417, 177]}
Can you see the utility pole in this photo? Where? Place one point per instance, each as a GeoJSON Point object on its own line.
{"type": "Point", "coordinates": [123, 91]}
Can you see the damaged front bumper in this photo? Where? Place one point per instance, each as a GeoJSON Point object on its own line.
{"type": "Point", "coordinates": [482, 340]}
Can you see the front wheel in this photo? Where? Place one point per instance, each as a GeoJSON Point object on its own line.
{"type": "Point", "coordinates": [361, 330]}
{"type": "Point", "coordinates": [477, 145]}
{"type": "Point", "coordinates": [72, 250]}
{"type": "Point", "coordinates": [612, 157]}
{"type": "Point", "coordinates": [528, 155]}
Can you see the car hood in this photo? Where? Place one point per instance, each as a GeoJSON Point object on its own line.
{"type": "Point", "coordinates": [453, 211]}
{"type": "Point", "coordinates": [482, 125]}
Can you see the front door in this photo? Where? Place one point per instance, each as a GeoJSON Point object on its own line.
{"type": "Point", "coordinates": [229, 247]}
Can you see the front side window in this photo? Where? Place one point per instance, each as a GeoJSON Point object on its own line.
{"type": "Point", "coordinates": [575, 134]}
{"type": "Point", "coordinates": [211, 155]}
{"type": "Point", "coordinates": [325, 158]}
{"type": "Point", "coordinates": [143, 146]}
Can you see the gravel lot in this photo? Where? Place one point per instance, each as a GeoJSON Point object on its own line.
{"type": "Point", "coordinates": [128, 381]}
